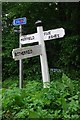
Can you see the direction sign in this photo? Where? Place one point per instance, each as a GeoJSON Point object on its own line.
{"type": "Point", "coordinates": [26, 52]}
{"type": "Point", "coordinates": [54, 34]}
{"type": "Point", "coordinates": [31, 38]}
{"type": "Point", "coordinates": [31, 51]}
{"type": "Point", "coordinates": [48, 35]}
{"type": "Point", "coordinates": [19, 21]}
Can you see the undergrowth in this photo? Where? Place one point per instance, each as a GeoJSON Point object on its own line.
{"type": "Point", "coordinates": [59, 102]}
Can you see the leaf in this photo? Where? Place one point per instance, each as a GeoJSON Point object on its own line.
{"type": "Point", "coordinates": [33, 114]}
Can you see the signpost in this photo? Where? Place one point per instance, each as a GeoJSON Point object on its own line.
{"type": "Point", "coordinates": [31, 38]}
{"type": "Point", "coordinates": [54, 34]}
{"type": "Point", "coordinates": [26, 52]}
{"type": "Point", "coordinates": [47, 35]}
{"type": "Point", "coordinates": [19, 21]}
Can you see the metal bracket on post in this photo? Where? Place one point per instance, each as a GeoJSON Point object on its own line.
{"type": "Point", "coordinates": [20, 62]}
{"type": "Point", "coordinates": [43, 57]}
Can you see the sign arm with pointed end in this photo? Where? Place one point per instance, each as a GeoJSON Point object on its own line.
{"type": "Point", "coordinates": [26, 52]}
{"type": "Point", "coordinates": [54, 34]}
{"type": "Point", "coordinates": [47, 35]}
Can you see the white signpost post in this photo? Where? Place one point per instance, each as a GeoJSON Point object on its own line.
{"type": "Point", "coordinates": [43, 57]}
{"type": "Point", "coordinates": [31, 51]}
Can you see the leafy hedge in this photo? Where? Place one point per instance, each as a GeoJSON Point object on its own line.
{"type": "Point", "coordinates": [60, 101]}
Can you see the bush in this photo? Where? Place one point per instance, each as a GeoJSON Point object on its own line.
{"type": "Point", "coordinates": [60, 101]}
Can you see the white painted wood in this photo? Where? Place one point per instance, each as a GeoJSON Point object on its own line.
{"type": "Point", "coordinates": [31, 38]}
{"type": "Point", "coordinates": [47, 35]}
{"type": "Point", "coordinates": [54, 34]}
{"type": "Point", "coordinates": [26, 52]}
{"type": "Point", "coordinates": [43, 58]}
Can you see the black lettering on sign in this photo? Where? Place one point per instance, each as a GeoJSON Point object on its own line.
{"type": "Point", "coordinates": [23, 52]}
{"type": "Point", "coordinates": [29, 51]}
{"type": "Point", "coordinates": [26, 52]}
{"type": "Point", "coordinates": [56, 35]}
{"type": "Point", "coordinates": [50, 37]}
{"type": "Point", "coordinates": [23, 39]}
{"type": "Point", "coordinates": [47, 33]}
{"type": "Point", "coordinates": [32, 37]}
{"type": "Point", "coordinates": [53, 36]}
{"type": "Point", "coordinates": [27, 38]}
{"type": "Point", "coordinates": [17, 54]}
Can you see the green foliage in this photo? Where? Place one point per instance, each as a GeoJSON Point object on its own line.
{"type": "Point", "coordinates": [60, 101]}
{"type": "Point", "coordinates": [69, 56]}
{"type": "Point", "coordinates": [0, 103]}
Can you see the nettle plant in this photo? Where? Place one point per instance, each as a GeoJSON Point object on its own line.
{"type": "Point", "coordinates": [60, 101]}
